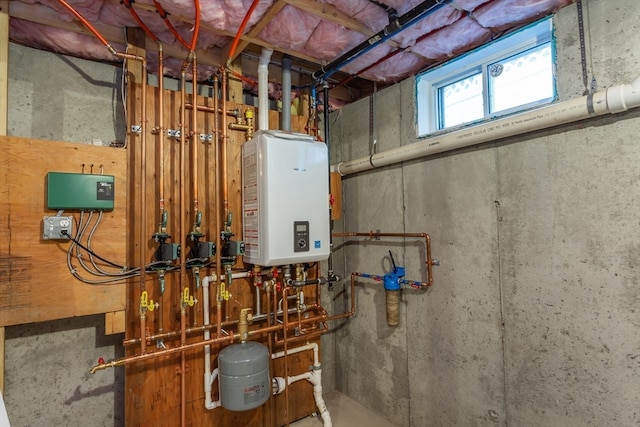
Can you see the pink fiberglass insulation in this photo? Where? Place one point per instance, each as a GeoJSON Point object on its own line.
{"type": "Point", "coordinates": [290, 29]}
{"type": "Point", "coordinates": [117, 15]}
{"type": "Point", "coordinates": [469, 5]}
{"type": "Point", "coordinates": [89, 9]}
{"type": "Point", "coordinates": [453, 39]}
{"type": "Point", "coordinates": [236, 10]}
{"type": "Point", "coordinates": [504, 14]}
{"type": "Point", "coordinates": [452, 29]}
{"type": "Point", "coordinates": [437, 19]}
{"type": "Point", "coordinates": [367, 59]}
{"type": "Point", "coordinates": [60, 41]}
{"type": "Point", "coordinates": [396, 68]}
{"type": "Point", "coordinates": [367, 13]}
{"type": "Point", "coordinates": [330, 40]}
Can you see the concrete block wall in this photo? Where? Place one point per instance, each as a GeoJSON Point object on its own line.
{"type": "Point", "coordinates": [47, 379]}
{"type": "Point", "coordinates": [534, 316]}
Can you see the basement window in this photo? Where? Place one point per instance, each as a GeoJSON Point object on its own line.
{"type": "Point", "coordinates": [511, 74]}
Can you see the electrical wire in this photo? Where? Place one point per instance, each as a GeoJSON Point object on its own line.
{"type": "Point", "coordinates": [114, 278]}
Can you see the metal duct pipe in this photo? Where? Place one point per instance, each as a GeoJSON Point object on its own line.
{"type": "Point", "coordinates": [286, 93]}
{"type": "Point", "coordinates": [613, 100]}
{"type": "Point", "coordinates": [263, 89]}
{"type": "Point", "coordinates": [402, 23]}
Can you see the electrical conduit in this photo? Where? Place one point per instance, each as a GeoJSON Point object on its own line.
{"type": "Point", "coordinates": [613, 100]}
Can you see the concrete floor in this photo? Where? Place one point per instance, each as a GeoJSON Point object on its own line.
{"type": "Point", "coordinates": [345, 412]}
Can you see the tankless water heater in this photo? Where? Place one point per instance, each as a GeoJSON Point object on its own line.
{"type": "Point", "coordinates": [285, 184]}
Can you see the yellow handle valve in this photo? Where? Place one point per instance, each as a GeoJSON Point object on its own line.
{"type": "Point", "coordinates": [146, 303]}
{"type": "Point", "coordinates": [188, 299]}
{"type": "Point", "coordinates": [224, 293]}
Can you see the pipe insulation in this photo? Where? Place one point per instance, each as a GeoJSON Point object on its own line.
{"type": "Point", "coordinates": [613, 100]}
{"type": "Point", "coordinates": [263, 89]}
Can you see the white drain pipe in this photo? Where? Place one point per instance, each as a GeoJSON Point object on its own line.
{"type": "Point", "coordinates": [314, 377]}
{"type": "Point", "coordinates": [613, 100]}
{"type": "Point", "coordinates": [263, 88]}
{"type": "Point", "coordinates": [209, 376]}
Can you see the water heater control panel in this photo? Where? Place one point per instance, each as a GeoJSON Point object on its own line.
{"type": "Point", "coordinates": [301, 236]}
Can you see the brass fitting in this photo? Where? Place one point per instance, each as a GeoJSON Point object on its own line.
{"type": "Point", "coordinates": [246, 318]}
{"type": "Point", "coordinates": [247, 127]}
{"type": "Point", "coordinates": [299, 272]}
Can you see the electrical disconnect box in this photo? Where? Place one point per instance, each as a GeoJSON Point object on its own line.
{"type": "Point", "coordinates": [57, 227]}
{"type": "Point", "coordinates": [80, 191]}
{"type": "Point", "coordinates": [285, 199]}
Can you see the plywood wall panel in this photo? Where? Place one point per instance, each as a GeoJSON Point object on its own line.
{"type": "Point", "coordinates": [154, 386]}
{"type": "Point", "coordinates": [35, 282]}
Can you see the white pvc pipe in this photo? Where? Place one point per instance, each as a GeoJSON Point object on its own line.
{"type": "Point", "coordinates": [286, 93]}
{"type": "Point", "coordinates": [208, 378]}
{"type": "Point", "coordinates": [314, 377]}
{"type": "Point", "coordinates": [613, 100]}
{"type": "Point", "coordinates": [263, 88]}
{"type": "Point", "coordinates": [310, 346]}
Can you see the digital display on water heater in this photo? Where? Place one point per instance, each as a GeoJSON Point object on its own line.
{"type": "Point", "coordinates": [301, 236]}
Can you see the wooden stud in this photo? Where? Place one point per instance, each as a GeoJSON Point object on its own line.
{"type": "Point", "coordinates": [235, 84]}
{"type": "Point", "coordinates": [114, 322]}
{"type": "Point", "coordinates": [4, 107]}
{"type": "Point", "coordinates": [336, 195]}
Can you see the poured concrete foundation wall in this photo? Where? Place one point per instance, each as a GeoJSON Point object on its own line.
{"type": "Point", "coordinates": [534, 316]}
{"type": "Point", "coordinates": [47, 379]}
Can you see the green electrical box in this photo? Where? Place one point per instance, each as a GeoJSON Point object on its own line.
{"type": "Point", "coordinates": [80, 191]}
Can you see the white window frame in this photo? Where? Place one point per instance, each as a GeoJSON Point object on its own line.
{"type": "Point", "coordinates": [429, 82]}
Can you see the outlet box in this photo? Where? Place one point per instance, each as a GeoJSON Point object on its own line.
{"type": "Point", "coordinates": [54, 226]}
{"type": "Point", "coordinates": [80, 191]}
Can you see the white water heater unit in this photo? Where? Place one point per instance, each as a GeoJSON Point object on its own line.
{"type": "Point", "coordinates": [285, 181]}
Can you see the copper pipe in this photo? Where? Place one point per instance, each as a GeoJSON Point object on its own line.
{"type": "Point", "coordinates": [183, 245]}
{"type": "Point", "coordinates": [195, 137]}
{"type": "Point", "coordinates": [227, 339]}
{"type": "Point", "coordinates": [225, 189]}
{"type": "Point", "coordinates": [272, 401]}
{"type": "Point", "coordinates": [143, 327]}
{"type": "Point", "coordinates": [223, 169]}
{"type": "Point", "coordinates": [425, 236]}
{"type": "Point", "coordinates": [233, 112]}
{"type": "Point", "coordinates": [202, 328]}
{"type": "Point", "coordinates": [183, 373]}
{"type": "Point", "coordinates": [161, 132]}
{"type": "Point", "coordinates": [217, 210]}
{"type": "Point", "coordinates": [194, 141]}
{"type": "Point", "coordinates": [285, 309]}
{"type": "Point", "coordinates": [143, 189]}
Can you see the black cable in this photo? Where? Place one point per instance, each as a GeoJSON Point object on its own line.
{"type": "Point", "coordinates": [65, 233]}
